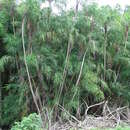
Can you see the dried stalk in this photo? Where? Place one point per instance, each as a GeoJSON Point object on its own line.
{"type": "Point", "coordinates": [80, 73]}
{"type": "Point", "coordinates": [13, 26]}
{"type": "Point", "coordinates": [37, 96]}
{"type": "Point", "coordinates": [65, 69]}
{"type": "Point", "coordinates": [81, 68]}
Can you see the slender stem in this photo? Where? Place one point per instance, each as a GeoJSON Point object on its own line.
{"type": "Point", "coordinates": [126, 35]}
{"type": "Point", "coordinates": [80, 73]}
{"type": "Point", "coordinates": [81, 69]}
{"type": "Point", "coordinates": [65, 69]}
{"type": "Point", "coordinates": [77, 7]}
{"type": "Point", "coordinates": [105, 60]}
{"type": "Point", "coordinates": [27, 70]}
{"type": "Point", "coordinates": [105, 53]}
{"type": "Point", "coordinates": [13, 27]}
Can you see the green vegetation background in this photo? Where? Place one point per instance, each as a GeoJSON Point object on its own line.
{"type": "Point", "coordinates": [73, 57]}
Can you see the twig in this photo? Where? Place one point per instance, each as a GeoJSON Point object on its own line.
{"type": "Point", "coordinates": [124, 117]}
{"type": "Point", "coordinates": [85, 103]}
{"type": "Point", "coordinates": [104, 108]}
{"type": "Point", "coordinates": [118, 120]}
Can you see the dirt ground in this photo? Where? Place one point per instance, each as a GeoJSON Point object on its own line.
{"type": "Point", "coordinates": [88, 123]}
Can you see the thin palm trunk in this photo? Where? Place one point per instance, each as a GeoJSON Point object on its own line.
{"type": "Point", "coordinates": [105, 60]}
{"type": "Point", "coordinates": [50, 4]}
{"type": "Point", "coordinates": [28, 74]}
{"type": "Point", "coordinates": [105, 53]}
{"type": "Point", "coordinates": [14, 26]}
{"type": "Point", "coordinates": [80, 73]}
{"type": "Point", "coordinates": [55, 107]}
{"type": "Point", "coordinates": [65, 69]}
{"type": "Point", "coordinates": [126, 35]}
{"type": "Point", "coordinates": [77, 7]}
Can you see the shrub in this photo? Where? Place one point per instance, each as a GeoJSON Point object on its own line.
{"type": "Point", "coordinates": [32, 122]}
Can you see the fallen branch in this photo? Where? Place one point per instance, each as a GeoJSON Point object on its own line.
{"type": "Point", "coordinates": [118, 109]}
{"type": "Point", "coordinates": [89, 107]}
{"type": "Point", "coordinates": [111, 113]}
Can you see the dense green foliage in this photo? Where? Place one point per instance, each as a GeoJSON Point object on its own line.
{"type": "Point", "coordinates": [72, 57]}
{"type": "Point", "coordinates": [32, 122]}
